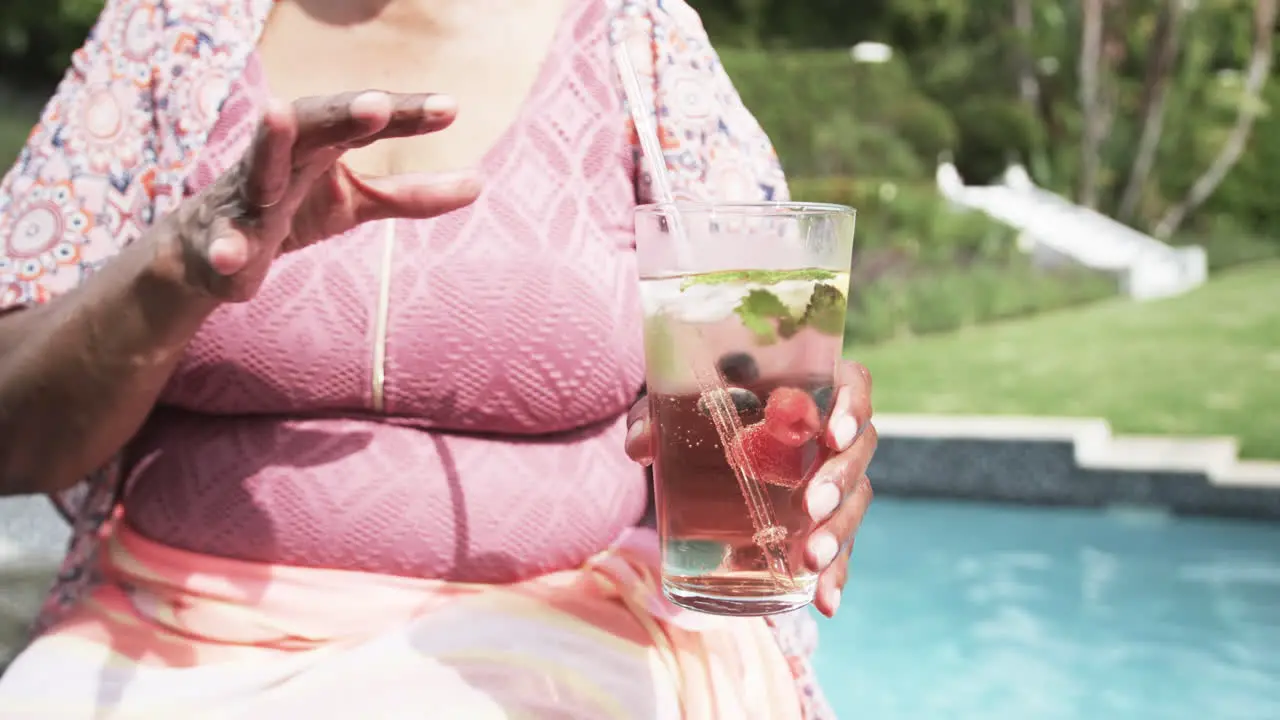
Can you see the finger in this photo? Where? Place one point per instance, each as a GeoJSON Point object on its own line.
{"type": "Point", "coordinates": [412, 196]}
{"type": "Point", "coordinates": [830, 536]}
{"type": "Point", "coordinates": [414, 115]}
{"type": "Point", "coordinates": [318, 163]}
{"type": "Point", "coordinates": [639, 444]}
{"type": "Point", "coordinates": [831, 583]}
{"type": "Point", "coordinates": [229, 253]}
{"type": "Point", "coordinates": [851, 410]}
{"type": "Point", "coordinates": [639, 411]}
{"type": "Point", "coordinates": [838, 476]}
{"type": "Point", "coordinates": [851, 371]}
{"type": "Point", "coordinates": [831, 545]}
{"type": "Point", "coordinates": [271, 157]}
{"type": "Point", "coordinates": [336, 120]}
{"type": "Point", "coordinates": [357, 119]}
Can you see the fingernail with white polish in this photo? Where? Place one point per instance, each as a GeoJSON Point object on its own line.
{"type": "Point", "coordinates": [633, 432]}
{"type": "Point", "coordinates": [823, 547]}
{"type": "Point", "coordinates": [844, 430]}
{"type": "Point", "coordinates": [833, 599]}
{"type": "Point", "coordinates": [371, 101]}
{"type": "Point", "coordinates": [822, 499]}
{"type": "Point", "coordinates": [438, 103]}
{"type": "Point", "coordinates": [633, 435]}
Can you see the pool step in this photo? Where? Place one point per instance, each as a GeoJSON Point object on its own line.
{"type": "Point", "coordinates": [1214, 456]}
{"type": "Point", "coordinates": [1253, 473]}
{"type": "Point", "coordinates": [1069, 461]}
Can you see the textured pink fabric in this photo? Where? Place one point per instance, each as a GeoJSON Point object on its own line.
{"type": "Point", "coordinates": [516, 317]}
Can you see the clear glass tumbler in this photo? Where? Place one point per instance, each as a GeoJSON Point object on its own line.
{"type": "Point", "coordinates": [744, 321]}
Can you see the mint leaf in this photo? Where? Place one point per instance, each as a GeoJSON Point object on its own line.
{"type": "Point", "coordinates": [768, 317]}
{"type": "Point", "coordinates": [758, 310]}
{"type": "Point", "coordinates": [756, 277]}
{"type": "Point", "coordinates": [826, 310]}
{"type": "Point", "coordinates": [788, 327]}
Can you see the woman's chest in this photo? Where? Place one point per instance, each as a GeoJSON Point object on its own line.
{"type": "Point", "coordinates": [489, 59]}
{"type": "Point", "coordinates": [519, 314]}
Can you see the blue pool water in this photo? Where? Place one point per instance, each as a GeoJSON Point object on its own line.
{"type": "Point", "coordinates": [956, 611]}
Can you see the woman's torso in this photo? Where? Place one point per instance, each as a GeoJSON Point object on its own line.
{"type": "Point", "coordinates": [438, 398]}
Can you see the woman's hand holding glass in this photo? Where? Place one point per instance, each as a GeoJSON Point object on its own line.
{"type": "Point", "coordinates": [837, 496]}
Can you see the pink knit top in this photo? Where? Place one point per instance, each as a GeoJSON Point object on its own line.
{"type": "Point", "coordinates": [509, 341]}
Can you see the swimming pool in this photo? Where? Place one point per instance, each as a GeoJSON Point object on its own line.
{"type": "Point", "coordinates": [956, 611]}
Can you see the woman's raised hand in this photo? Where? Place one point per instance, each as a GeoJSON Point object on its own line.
{"type": "Point", "coordinates": [291, 188]}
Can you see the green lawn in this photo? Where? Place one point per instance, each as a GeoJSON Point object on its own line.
{"type": "Point", "coordinates": [1206, 363]}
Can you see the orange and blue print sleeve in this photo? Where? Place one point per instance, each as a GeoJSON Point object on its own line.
{"type": "Point", "coordinates": [715, 149]}
{"type": "Point", "coordinates": [80, 189]}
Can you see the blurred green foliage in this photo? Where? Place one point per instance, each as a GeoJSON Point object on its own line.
{"type": "Point", "coordinates": [871, 135]}
{"type": "Point", "coordinates": [922, 266]}
{"type": "Point", "coordinates": [951, 88]}
{"type": "Point", "coordinates": [37, 38]}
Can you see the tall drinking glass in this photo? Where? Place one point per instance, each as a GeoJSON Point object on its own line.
{"type": "Point", "coordinates": [744, 320]}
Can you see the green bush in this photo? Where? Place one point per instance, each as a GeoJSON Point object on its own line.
{"type": "Point", "coordinates": [994, 131]}
{"type": "Point", "coordinates": [875, 315]}
{"type": "Point", "coordinates": [922, 266]}
{"type": "Point", "coordinates": [912, 220]}
{"type": "Point", "coordinates": [1228, 243]}
{"type": "Point", "coordinates": [827, 115]}
{"type": "Point", "coordinates": [944, 299]}
{"type": "Point", "coordinates": [1242, 215]}
{"type": "Point", "coordinates": [871, 150]}
{"type": "Point", "coordinates": [926, 127]}
{"type": "Point", "coordinates": [791, 94]}
{"type": "Point", "coordinates": [991, 292]}
{"type": "Point", "coordinates": [1001, 294]}
{"type": "Point", "coordinates": [938, 303]}
{"type": "Point", "coordinates": [841, 144]}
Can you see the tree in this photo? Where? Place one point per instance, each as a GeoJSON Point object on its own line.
{"type": "Point", "coordinates": [1091, 103]}
{"type": "Point", "coordinates": [1028, 83]}
{"type": "Point", "coordinates": [1155, 92]}
{"type": "Point", "coordinates": [1251, 105]}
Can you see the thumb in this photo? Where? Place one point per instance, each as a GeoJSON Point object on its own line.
{"type": "Point", "coordinates": [639, 445]}
{"type": "Point", "coordinates": [229, 253]}
{"type": "Point", "coordinates": [423, 195]}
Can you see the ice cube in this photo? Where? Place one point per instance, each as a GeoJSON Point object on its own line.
{"type": "Point", "coordinates": [658, 295]}
{"type": "Point", "coordinates": [709, 303]}
{"type": "Point", "coordinates": [794, 294]}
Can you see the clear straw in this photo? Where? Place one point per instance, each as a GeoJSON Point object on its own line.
{"type": "Point", "coordinates": [651, 147]}
{"type": "Point", "coordinates": [768, 533]}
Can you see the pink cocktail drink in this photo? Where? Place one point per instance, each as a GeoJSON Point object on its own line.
{"type": "Point", "coordinates": [741, 376]}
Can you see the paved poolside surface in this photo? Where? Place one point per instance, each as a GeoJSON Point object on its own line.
{"type": "Point", "coordinates": [32, 539]}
